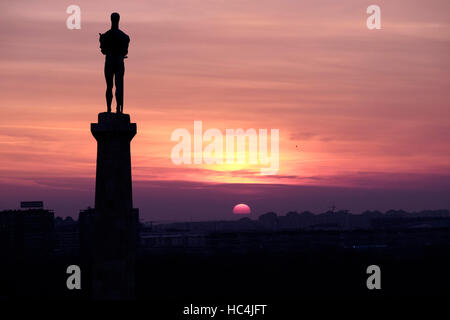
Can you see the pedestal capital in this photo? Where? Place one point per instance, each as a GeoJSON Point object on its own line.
{"type": "Point", "coordinates": [113, 124]}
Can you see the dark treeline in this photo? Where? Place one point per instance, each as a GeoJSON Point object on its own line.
{"type": "Point", "coordinates": [330, 220]}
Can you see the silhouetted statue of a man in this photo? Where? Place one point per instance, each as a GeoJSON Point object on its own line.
{"type": "Point", "coordinates": [114, 45]}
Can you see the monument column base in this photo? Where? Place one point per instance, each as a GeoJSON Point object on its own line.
{"type": "Point", "coordinates": [112, 227]}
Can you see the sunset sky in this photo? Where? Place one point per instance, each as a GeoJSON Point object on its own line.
{"type": "Point", "coordinates": [363, 115]}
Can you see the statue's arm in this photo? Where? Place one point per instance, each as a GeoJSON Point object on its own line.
{"type": "Point", "coordinates": [127, 43]}
{"type": "Point", "coordinates": [101, 38]}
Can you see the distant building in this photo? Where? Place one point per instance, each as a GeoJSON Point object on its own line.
{"type": "Point", "coordinates": [27, 232]}
{"type": "Point", "coordinates": [67, 237]}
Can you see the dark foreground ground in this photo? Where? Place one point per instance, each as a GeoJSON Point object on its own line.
{"type": "Point", "coordinates": [261, 267]}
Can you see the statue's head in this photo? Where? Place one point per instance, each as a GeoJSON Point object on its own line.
{"type": "Point", "coordinates": [115, 17]}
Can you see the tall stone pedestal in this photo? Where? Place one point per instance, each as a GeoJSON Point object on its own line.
{"type": "Point", "coordinates": [113, 224]}
{"type": "Point", "coordinates": [113, 133]}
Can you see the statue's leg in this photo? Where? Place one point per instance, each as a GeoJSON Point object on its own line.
{"type": "Point", "coordinates": [119, 86]}
{"type": "Point", "coordinates": [109, 75]}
